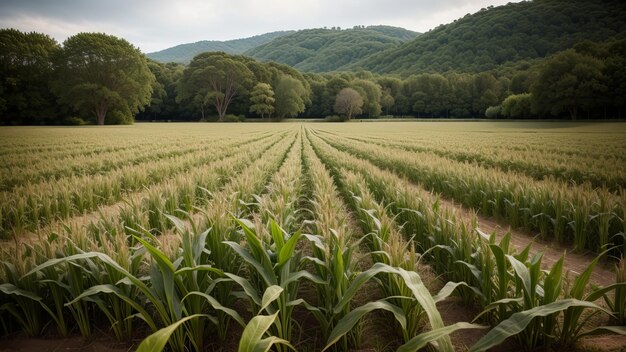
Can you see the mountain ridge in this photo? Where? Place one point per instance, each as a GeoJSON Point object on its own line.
{"type": "Point", "coordinates": [324, 50]}
{"type": "Point", "coordinates": [183, 53]}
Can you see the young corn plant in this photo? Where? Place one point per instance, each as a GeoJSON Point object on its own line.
{"type": "Point", "coordinates": [617, 301]}
{"type": "Point", "coordinates": [174, 289]}
{"type": "Point", "coordinates": [275, 268]}
{"type": "Point", "coordinates": [252, 337]}
{"type": "Point", "coordinates": [23, 303]}
{"type": "Point", "coordinates": [540, 317]}
{"type": "Point", "coordinates": [439, 334]}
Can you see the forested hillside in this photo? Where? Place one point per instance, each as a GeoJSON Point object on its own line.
{"type": "Point", "coordinates": [324, 50]}
{"type": "Point", "coordinates": [494, 36]}
{"type": "Point", "coordinates": [185, 52]}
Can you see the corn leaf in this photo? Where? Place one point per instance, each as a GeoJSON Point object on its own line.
{"type": "Point", "coordinates": [351, 319]}
{"type": "Point", "coordinates": [518, 322]}
{"type": "Point", "coordinates": [421, 340]}
{"type": "Point", "coordinates": [156, 342]}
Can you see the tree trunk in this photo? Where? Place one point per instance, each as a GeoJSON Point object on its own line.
{"type": "Point", "coordinates": [572, 113]}
{"type": "Point", "coordinates": [101, 113]}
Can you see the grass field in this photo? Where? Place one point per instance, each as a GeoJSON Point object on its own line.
{"type": "Point", "coordinates": [354, 236]}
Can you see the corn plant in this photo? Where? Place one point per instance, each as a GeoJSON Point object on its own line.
{"type": "Point", "coordinates": [172, 291]}
{"type": "Point", "coordinates": [537, 315]}
{"type": "Point", "coordinates": [617, 302]}
{"type": "Point", "coordinates": [275, 267]}
{"type": "Point", "coordinates": [474, 186]}
{"type": "Point", "coordinates": [252, 337]}
{"type": "Point", "coordinates": [419, 293]}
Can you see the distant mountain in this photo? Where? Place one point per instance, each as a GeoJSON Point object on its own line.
{"type": "Point", "coordinates": [501, 35]}
{"type": "Point", "coordinates": [324, 50]}
{"type": "Point", "coordinates": [185, 52]}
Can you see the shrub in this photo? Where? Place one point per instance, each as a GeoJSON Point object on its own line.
{"type": "Point", "coordinates": [493, 112]}
{"type": "Point", "coordinates": [334, 118]}
{"type": "Point", "coordinates": [72, 121]}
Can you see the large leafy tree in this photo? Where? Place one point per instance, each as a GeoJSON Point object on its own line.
{"type": "Point", "coordinates": [291, 97]}
{"type": "Point", "coordinates": [567, 82]}
{"type": "Point", "coordinates": [348, 102]}
{"type": "Point", "coordinates": [100, 74]}
{"type": "Point", "coordinates": [25, 70]}
{"type": "Point", "coordinates": [371, 93]}
{"type": "Point", "coordinates": [163, 105]}
{"type": "Point", "coordinates": [215, 79]}
{"type": "Point", "coordinates": [262, 98]}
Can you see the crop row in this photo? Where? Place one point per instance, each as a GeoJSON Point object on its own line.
{"type": "Point", "coordinates": [590, 218]}
{"type": "Point", "coordinates": [509, 140]}
{"type": "Point", "coordinates": [537, 165]}
{"type": "Point", "coordinates": [28, 207]}
{"type": "Point", "coordinates": [511, 287]}
{"type": "Point", "coordinates": [54, 169]}
{"type": "Point", "coordinates": [110, 252]}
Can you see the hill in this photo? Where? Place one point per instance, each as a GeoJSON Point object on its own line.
{"type": "Point", "coordinates": [499, 35]}
{"type": "Point", "coordinates": [324, 50]}
{"type": "Point", "coordinates": [185, 52]}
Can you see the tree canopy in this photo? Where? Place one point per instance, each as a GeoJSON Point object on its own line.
{"type": "Point", "coordinates": [494, 36]}
{"type": "Point", "coordinates": [215, 79]}
{"type": "Point", "coordinates": [291, 97]}
{"type": "Point", "coordinates": [262, 99]}
{"type": "Point", "coordinates": [25, 71]}
{"type": "Point", "coordinates": [567, 82]}
{"type": "Point", "coordinates": [101, 75]}
{"type": "Point", "coordinates": [323, 50]}
{"type": "Point", "coordinates": [348, 102]}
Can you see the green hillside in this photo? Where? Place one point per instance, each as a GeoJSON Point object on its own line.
{"type": "Point", "coordinates": [185, 52]}
{"type": "Point", "coordinates": [501, 35]}
{"type": "Point", "coordinates": [323, 50]}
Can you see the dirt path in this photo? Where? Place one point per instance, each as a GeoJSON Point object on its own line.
{"type": "Point", "coordinates": [575, 263]}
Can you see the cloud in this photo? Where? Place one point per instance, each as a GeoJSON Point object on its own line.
{"type": "Point", "coordinates": [158, 24]}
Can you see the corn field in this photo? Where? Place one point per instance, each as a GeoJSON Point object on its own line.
{"type": "Point", "coordinates": [313, 236]}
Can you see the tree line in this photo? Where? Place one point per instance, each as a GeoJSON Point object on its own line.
{"type": "Point", "coordinates": [101, 79]}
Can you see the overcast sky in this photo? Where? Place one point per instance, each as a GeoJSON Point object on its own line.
{"type": "Point", "coordinates": [154, 25]}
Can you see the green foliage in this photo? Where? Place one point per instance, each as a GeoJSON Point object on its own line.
{"type": "Point", "coordinates": [348, 102]}
{"type": "Point", "coordinates": [493, 112]}
{"type": "Point", "coordinates": [567, 82]}
{"type": "Point", "coordinates": [498, 35]}
{"type": "Point", "coordinates": [371, 94]}
{"type": "Point", "coordinates": [517, 105]}
{"type": "Point", "coordinates": [215, 79]}
{"type": "Point", "coordinates": [163, 105]}
{"type": "Point", "coordinates": [121, 86]}
{"type": "Point", "coordinates": [25, 70]}
{"type": "Point", "coordinates": [324, 50]}
{"type": "Point", "coordinates": [291, 97]}
{"type": "Point", "coordinates": [184, 53]}
{"type": "Point", "coordinates": [262, 99]}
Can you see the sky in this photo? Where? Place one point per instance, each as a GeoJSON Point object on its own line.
{"type": "Point", "coordinates": [154, 25]}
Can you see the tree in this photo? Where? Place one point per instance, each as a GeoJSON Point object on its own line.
{"type": "Point", "coordinates": [387, 101]}
{"type": "Point", "coordinates": [493, 112]}
{"type": "Point", "coordinates": [485, 91]}
{"type": "Point", "coordinates": [371, 94]}
{"type": "Point", "coordinates": [214, 78]}
{"type": "Point", "coordinates": [25, 71]}
{"type": "Point", "coordinates": [517, 105]}
{"type": "Point", "coordinates": [348, 102]}
{"type": "Point", "coordinates": [567, 82]}
{"type": "Point", "coordinates": [100, 73]}
{"type": "Point", "coordinates": [291, 96]}
{"type": "Point", "coordinates": [262, 98]}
